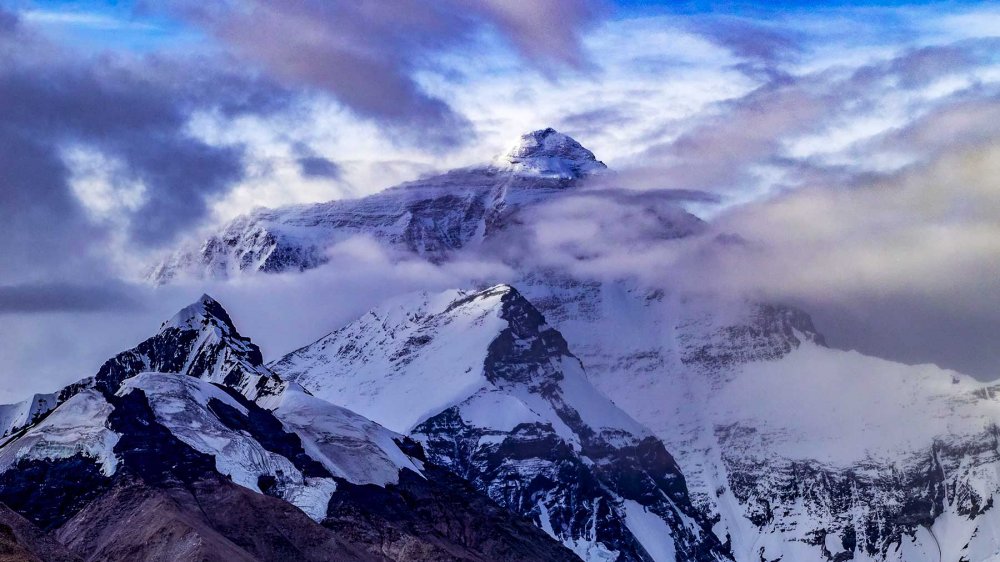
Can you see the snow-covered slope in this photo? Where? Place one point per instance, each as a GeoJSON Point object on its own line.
{"type": "Point", "coordinates": [203, 401]}
{"type": "Point", "coordinates": [248, 445]}
{"type": "Point", "coordinates": [14, 418]}
{"type": "Point", "coordinates": [78, 429]}
{"type": "Point", "coordinates": [494, 394]}
{"type": "Point", "coordinates": [348, 445]}
{"type": "Point", "coordinates": [802, 452]}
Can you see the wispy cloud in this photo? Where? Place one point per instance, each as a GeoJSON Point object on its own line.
{"type": "Point", "coordinates": [94, 20]}
{"type": "Point", "coordinates": [366, 54]}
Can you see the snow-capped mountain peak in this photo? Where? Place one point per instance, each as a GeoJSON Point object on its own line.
{"type": "Point", "coordinates": [200, 340]}
{"type": "Point", "coordinates": [194, 316]}
{"type": "Point", "coordinates": [432, 217]}
{"type": "Point", "coordinates": [549, 153]}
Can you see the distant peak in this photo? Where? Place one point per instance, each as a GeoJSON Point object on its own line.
{"type": "Point", "coordinates": [549, 153]}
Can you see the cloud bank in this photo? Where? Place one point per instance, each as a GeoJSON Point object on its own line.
{"type": "Point", "coordinates": [849, 157]}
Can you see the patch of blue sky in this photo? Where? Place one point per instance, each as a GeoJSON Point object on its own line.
{"type": "Point", "coordinates": [106, 25]}
{"type": "Point", "coordinates": [750, 8]}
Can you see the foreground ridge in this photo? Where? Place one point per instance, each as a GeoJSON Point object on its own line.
{"type": "Point", "coordinates": [188, 447]}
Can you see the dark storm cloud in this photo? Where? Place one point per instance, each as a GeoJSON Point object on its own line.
{"type": "Point", "coordinates": [752, 40]}
{"type": "Point", "coordinates": [544, 31]}
{"type": "Point", "coordinates": [133, 112]}
{"type": "Point", "coordinates": [318, 167]}
{"type": "Point", "coordinates": [365, 53]}
{"type": "Point", "coordinates": [40, 220]}
{"type": "Point", "coordinates": [61, 297]}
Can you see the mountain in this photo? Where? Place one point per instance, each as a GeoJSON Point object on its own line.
{"type": "Point", "coordinates": [548, 153]}
{"type": "Point", "coordinates": [494, 394]}
{"type": "Point", "coordinates": [430, 217]}
{"type": "Point", "coordinates": [183, 463]}
{"type": "Point", "coordinates": [800, 452]}
{"type": "Point", "coordinates": [199, 341]}
{"type": "Point", "coordinates": [792, 450]}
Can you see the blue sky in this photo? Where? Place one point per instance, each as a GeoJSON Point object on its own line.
{"type": "Point", "coordinates": [108, 25]}
{"type": "Point", "coordinates": [138, 26]}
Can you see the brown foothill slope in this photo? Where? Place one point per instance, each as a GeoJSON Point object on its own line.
{"type": "Point", "coordinates": [212, 520]}
{"type": "Point", "coordinates": [22, 541]}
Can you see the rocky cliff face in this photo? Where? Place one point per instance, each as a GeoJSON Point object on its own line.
{"type": "Point", "coordinates": [199, 341]}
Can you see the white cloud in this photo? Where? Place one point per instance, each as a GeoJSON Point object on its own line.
{"type": "Point", "coordinates": [93, 20]}
{"type": "Point", "coordinates": [794, 149]}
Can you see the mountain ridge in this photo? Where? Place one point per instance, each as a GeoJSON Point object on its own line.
{"type": "Point", "coordinates": [151, 447]}
{"type": "Point", "coordinates": [514, 413]}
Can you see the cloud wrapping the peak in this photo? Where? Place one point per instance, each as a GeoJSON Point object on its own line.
{"type": "Point", "coordinates": [904, 265]}
{"type": "Point", "coordinates": [88, 323]}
